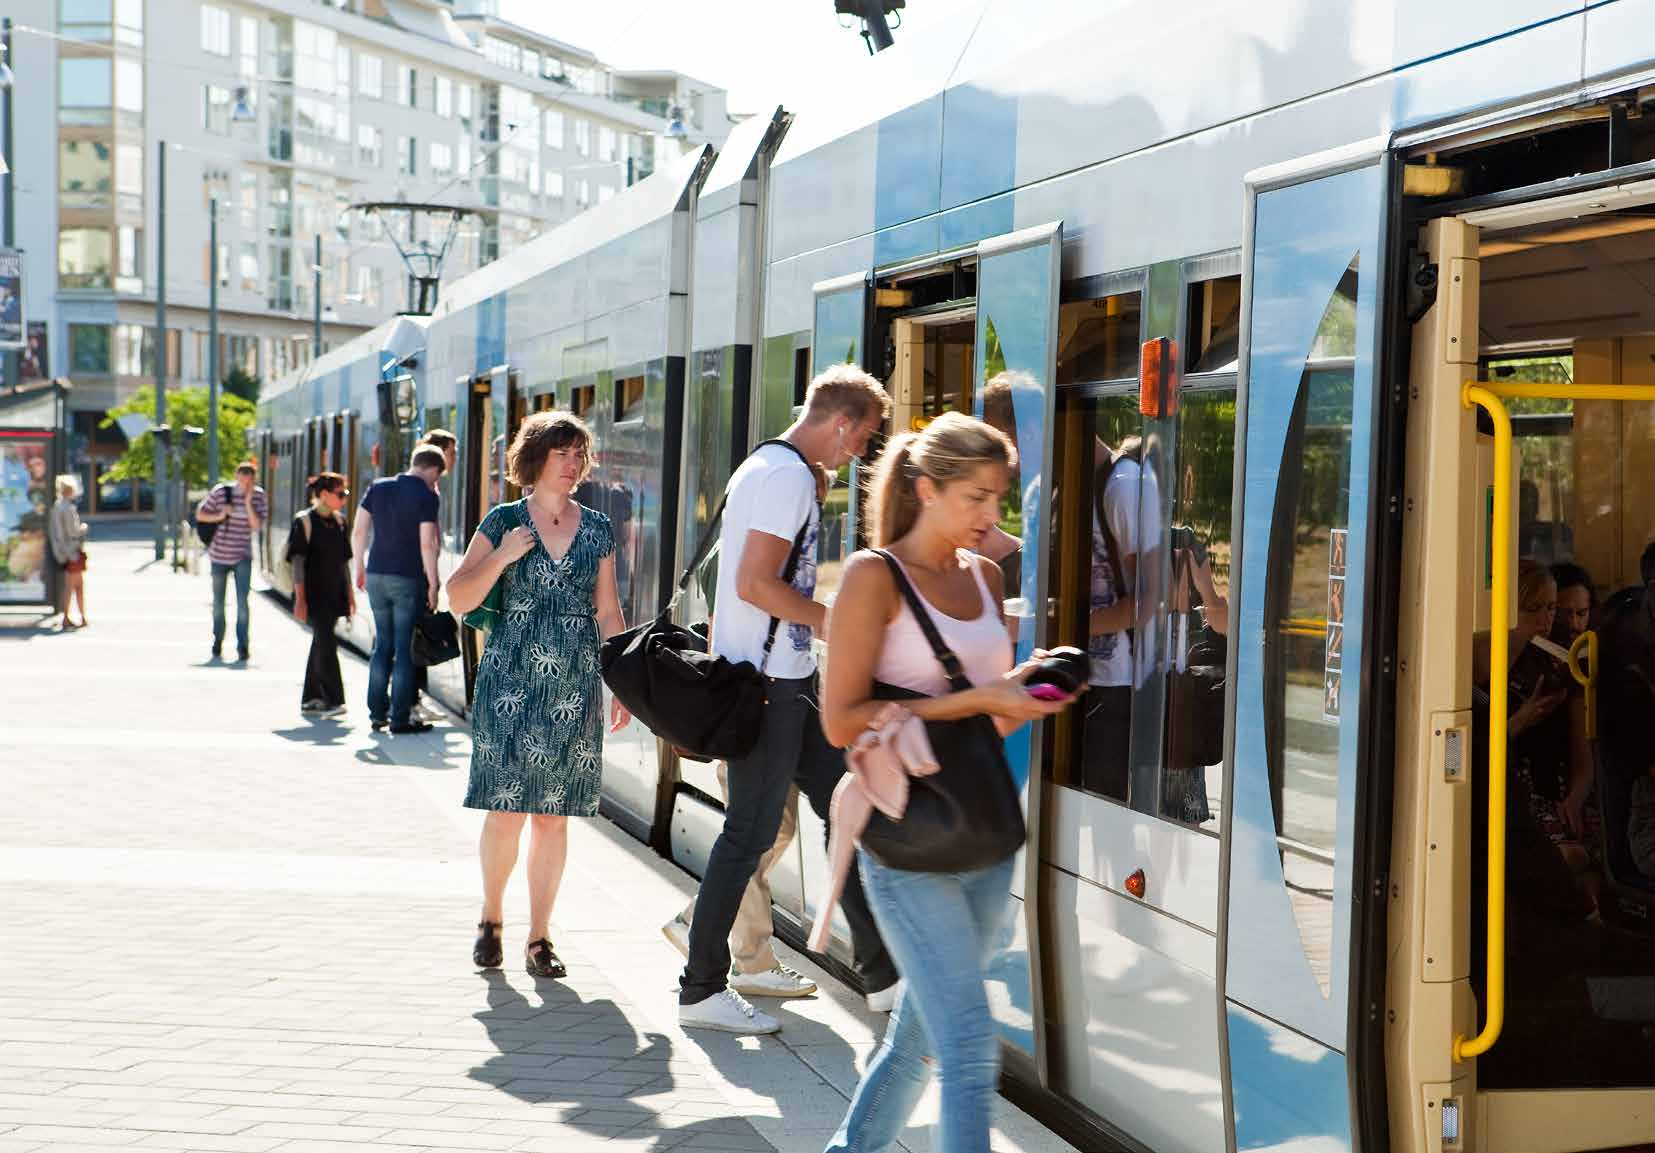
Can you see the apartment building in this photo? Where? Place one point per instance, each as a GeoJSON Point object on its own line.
{"type": "Point", "coordinates": [287, 112]}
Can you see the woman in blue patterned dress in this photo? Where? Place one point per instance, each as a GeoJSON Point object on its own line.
{"type": "Point", "coordinates": [537, 709]}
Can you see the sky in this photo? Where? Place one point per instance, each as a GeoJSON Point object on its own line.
{"type": "Point", "coordinates": [754, 48]}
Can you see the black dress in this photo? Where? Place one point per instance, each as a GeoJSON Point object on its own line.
{"type": "Point", "coordinates": [319, 546]}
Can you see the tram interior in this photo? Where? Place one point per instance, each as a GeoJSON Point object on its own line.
{"type": "Point", "coordinates": [1574, 301]}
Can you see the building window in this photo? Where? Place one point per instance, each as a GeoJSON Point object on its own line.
{"type": "Point", "coordinates": [85, 82]}
{"type": "Point", "coordinates": [465, 158]}
{"type": "Point", "coordinates": [249, 201]}
{"type": "Point", "coordinates": [606, 142]}
{"type": "Point", "coordinates": [129, 177]}
{"type": "Point", "coordinates": [408, 85]}
{"type": "Point", "coordinates": [86, 19]}
{"type": "Point", "coordinates": [129, 22]}
{"type": "Point", "coordinates": [89, 348]}
{"type": "Point", "coordinates": [370, 75]}
{"type": "Point", "coordinates": [466, 97]}
{"type": "Point", "coordinates": [370, 285]}
{"type": "Point", "coordinates": [370, 146]}
{"type": "Point", "coordinates": [554, 127]}
{"type": "Point", "coordinates": [83, 257]}
{"type": "Point", "coordinates": [215, 30]}
{"type": "Point", "coordinates": [583, 137]}
{"type": "Point", "coordinates": [407, 156]}
{"type": "Point", "coordinates": [248, 268]}
{"type": "Point", "coordinates": [129, 275]}
{"type": "Point", "coordinates": [553, 184]}
{"type": "Point", "coordinates": [134, 350]}
{"type": "Point", "coordinates": [604, 192]}
{"type": "Point", "coordinates": [215, 109]}
{"type": "Point", "coordinates": [85, 173]}
{"type": "Point", "coordinates": [445, 96]}
{"type": "Point", "coordinates": [129, 85]}
{"type": "Point", "coordinates": [583, 193]}
{"type": "Point", "coordinates": [249, 47]}
{"type": "Point", "coordinates": [442, 159]}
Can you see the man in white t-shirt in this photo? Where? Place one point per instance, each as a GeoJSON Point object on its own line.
{"type": "Point", "coordinates": [766, 616]}
{"type": "Point", "coordinates": [1118, 494]}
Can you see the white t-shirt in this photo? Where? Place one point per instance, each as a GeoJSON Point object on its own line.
{"type": "Point", "coordinates": [771, 492]}
{"type": "Point", "coordinates": [1111, 653]}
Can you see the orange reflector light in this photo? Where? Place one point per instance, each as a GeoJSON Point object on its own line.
{"type": "Point", "coordinates": [1135, 884]}
{"type": "Point", "coordinates": [1158, 378]}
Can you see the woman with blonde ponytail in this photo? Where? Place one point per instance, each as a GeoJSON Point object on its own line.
{"type": "Point", "coordinates": [936, 498]}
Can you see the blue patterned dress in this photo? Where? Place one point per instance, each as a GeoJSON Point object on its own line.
{"type": "Point", "coordinates": [537, 716]}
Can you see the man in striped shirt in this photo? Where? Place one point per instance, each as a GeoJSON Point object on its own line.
{"type": "Point", "coordinates": [238, 509]}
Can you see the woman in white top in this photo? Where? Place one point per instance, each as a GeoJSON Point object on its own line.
{"type": "Point", "coordinates": [936, 498]}
{"type": "Point", "coordinates": [67, 533]}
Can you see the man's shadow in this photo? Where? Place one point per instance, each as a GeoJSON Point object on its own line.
{"type": "Point", "coordinates": [556, 1049]}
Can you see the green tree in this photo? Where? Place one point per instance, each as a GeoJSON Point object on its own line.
{"type": "Point", "coordinates": [239, 382]}
{"type": "Point", "coordinates": [184, 406]}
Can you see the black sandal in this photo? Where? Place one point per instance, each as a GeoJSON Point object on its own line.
{"type": "Point", "coordinates": [540, 961]}
{"type": "Point", "coordinates": [487, 953]}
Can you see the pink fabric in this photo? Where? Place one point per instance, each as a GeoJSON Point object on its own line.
{"type": "Point", "coordinates": [893, 749]}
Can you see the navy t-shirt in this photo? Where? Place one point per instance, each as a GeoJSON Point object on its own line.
{"type": "Point", "coordinates": [398, 505]}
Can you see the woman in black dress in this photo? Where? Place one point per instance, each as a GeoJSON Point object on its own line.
{"type": "Point", "coordinates": [319, 548]}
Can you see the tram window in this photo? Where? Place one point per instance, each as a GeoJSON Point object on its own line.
{"type": "Point", "coordinates": [1099, 339]}
{"type": "Point", "coordinates": [1092, 745]}
{"type": "Point", "coordinates": [1213, 339]}
{"type": "Point", "coordinates": [1542, 430]}
{"type": "Point", "coordinates": [949, 364]}
{"type": "Point", "coordinates": [581, 398]}
{"type": "Point", "coordinates": [629, 398]}
{"type": "Point", "coordinates": [1199, 621]}
{"type": "Point", "coordinates": [544, 402]}
{"type": "Point", "coordinates": [801, 373]}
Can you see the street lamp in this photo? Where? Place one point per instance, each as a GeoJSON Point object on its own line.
{"type": "Point", "coordinates": [174, 443]}
{"type": "Point", "coordinates": [7, 233]}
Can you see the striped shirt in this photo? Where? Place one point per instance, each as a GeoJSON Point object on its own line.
{"type": "Point", "coordinates": [232, 542]}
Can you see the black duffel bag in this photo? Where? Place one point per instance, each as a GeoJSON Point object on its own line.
{"type": "Point", "coordinates": [1195, 706]}
{"type": "Point", "coordinates": [967, 815]}
{"type": "Point", "coordinates": [436, 639]}
{"type": "Point", "coordinates": [706, 706]}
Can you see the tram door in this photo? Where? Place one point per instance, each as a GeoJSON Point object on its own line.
{"type": "Point", "coordinates": [1303, 699]}
{"type": "Point", "coordinates": [1523, 973]}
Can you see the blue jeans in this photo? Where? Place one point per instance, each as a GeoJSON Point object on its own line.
{"type": "Point", "coordinates": [244, 579]}
{"type": "Point", "coordinates": [942, 929]}
{"type": "Point", "coordinates": [396, 602]}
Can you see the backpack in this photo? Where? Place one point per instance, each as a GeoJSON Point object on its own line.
{"type": "Point", "coordinates": [206, 530]}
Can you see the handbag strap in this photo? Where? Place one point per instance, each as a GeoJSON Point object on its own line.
{"type": "Point", "coordinates": [957, 680]}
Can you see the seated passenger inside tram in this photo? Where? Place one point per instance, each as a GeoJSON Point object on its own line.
{"type": "Point", "coordinates": [1626, 701]}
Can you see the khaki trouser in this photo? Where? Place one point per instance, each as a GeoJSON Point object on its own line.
{"type": "Point", "coordinates": [750, 939]}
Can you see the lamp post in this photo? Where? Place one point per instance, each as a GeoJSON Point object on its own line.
{"type": "Point", "coordinates": [316, 284]}
{"type": "Point", "coordinates": [8, 161]}
{"type": "Point", "coordinates": [162, 484]}
{"type": "Point", "coordinates": [212, 345]}
{"type": "Point", "coordinates": [173, 447]}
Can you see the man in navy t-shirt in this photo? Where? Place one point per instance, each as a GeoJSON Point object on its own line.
{"type": "Point", "coordinates": [399, 571]}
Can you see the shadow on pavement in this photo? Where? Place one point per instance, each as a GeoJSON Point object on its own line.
{"type": "Point", "coordinates": [417, 751]}
{"type": "Point", "coordinates": [586, 1055]}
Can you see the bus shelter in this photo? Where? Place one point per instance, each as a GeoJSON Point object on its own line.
{"type": "Point", "coordinates": [34, 447]}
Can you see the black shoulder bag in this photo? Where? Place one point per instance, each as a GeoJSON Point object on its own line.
{"type": "Point", "coordinates": [967, 815]}
{"type": "Point", "coordinates": [705, 706]}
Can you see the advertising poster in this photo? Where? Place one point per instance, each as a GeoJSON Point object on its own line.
{"type": "Point", "coordinates": [25, 498]}
{"type": "Point", "coordinates": [33, 363]}
{"type": "Point", "coordinates": [11, 298]}
{"type": "Point", "coordinates": [1334, 658]}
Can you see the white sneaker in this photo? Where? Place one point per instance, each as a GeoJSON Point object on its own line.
{"type": "Point", "coordinates": [677, 931]}
{"type": "Point", "coordinates": [729, 1012]}
{"type": "Point", "coordinates": [336, 711]}
{"type": "Point", "coordinates": [313, 707]}
{"type": "Point", "coordinates": [884, 1000]}
{"type": "Point", "coordinates": [778, 982]}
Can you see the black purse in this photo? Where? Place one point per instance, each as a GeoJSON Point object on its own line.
{"type": "Point", "coordinates": [707, 707]}
{"type": "Point", "coordinates": [967, 815]}
{"type": "Point", "coordinates": [436, 639]}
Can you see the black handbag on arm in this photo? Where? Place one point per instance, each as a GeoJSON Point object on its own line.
{"type": "Point", "coordinates": [705, 706]}
{"type": "Point", "coordinates": [967, 815]}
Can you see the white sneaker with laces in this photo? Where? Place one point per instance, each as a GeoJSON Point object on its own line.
{"type": "Point", "coordinates": [884, 1000]}
{"type": "Point", "coordinates": [677, 931]}
{"type": "Point", "coordinates": [729, 1012]}
{"type": "Point", "coordinates": [777, 982]}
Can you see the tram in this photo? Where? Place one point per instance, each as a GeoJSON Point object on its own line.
{"type": "Point", "coordinates": [1372, 286]}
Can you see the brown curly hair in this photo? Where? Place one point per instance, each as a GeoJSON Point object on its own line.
{"type": "Point", "coordinates": [538, 436]}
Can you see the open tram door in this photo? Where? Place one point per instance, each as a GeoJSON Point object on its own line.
{"type": "Point", "coordinates": [1522, 947]}
{"type": "Point", "coordinates": [492, 410]}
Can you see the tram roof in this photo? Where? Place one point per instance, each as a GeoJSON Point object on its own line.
{"type": "Point", "coordinates": [659, 195]}
{"type": "Point", "coordinates": [397, 337]}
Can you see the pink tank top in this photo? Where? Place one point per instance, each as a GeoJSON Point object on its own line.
{"type": "Point", "coordinates": [982, 643]}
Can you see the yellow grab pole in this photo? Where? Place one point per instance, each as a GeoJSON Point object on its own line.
{"type": "Point", "coordinates": [1587, 679]}
{"type": "Point", "coordinates": [1515, 391]}
{"type": "Point", "coordinates": [1498, 658]}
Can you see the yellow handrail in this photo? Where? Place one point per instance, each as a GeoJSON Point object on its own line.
{"type": "Point", "coordinates": [1511, 390]}
{"type": "Point", "coordinates": [1587, 679]}
{"type": "Point", "coordinates": [1499, 643]}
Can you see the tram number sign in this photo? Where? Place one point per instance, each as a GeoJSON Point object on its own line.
{"type": "Point", "coordinates": [1333, 661]}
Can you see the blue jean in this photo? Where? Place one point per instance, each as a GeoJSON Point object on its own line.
{"type": "Point", "coordinates": [396, 602]}
{"type": "Point", "coordinates": [243, 570]}
{"type": "Point", "coordinates": [942, 929]}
